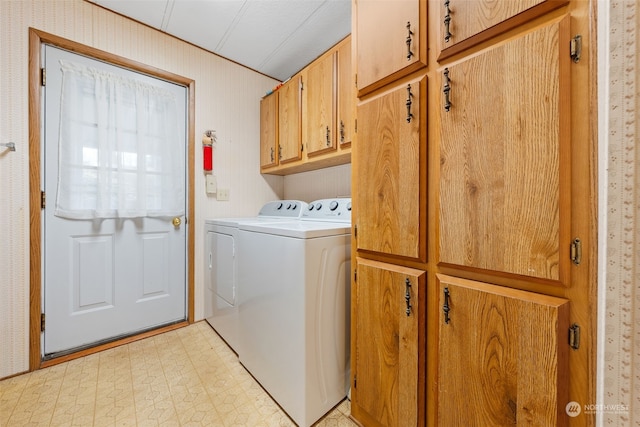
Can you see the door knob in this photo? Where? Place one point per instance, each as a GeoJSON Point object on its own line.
{"type": "Point", "coordinates": [176, 221]}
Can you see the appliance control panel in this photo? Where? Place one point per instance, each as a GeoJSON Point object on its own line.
{"type": "Point", "coordinates": [284, 208]}
{"type": "Point", "coordinates": [329, 209]}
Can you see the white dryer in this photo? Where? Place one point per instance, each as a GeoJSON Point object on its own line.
{"type": "Point", "coordinates": [221, 267]}
{"type": "Point", "coordinates": [294, 308]}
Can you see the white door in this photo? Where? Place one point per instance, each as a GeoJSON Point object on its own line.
{"type": "Point", "coordinates": [106, 278]}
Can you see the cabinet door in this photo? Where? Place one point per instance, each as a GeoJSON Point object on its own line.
{"type": "Point", "coordinates": [505, 171]}
{"type": "Point", "coordinates": [390, 40]}
{"type": "Point", "coordinates": [320, 112]}
{"type": "Point", "coordinates": [289, 121]}
{"type": "Point", "coordinates": [268, 131]}
{"type": "Point", "coordinates": [502, 357]}
{"type": "Point", "coordinates": [391, 172]}
{"type": "Point", "coordinates": [346, 95]}
{"type": "Point", "coordinates": [388, 362]}
{"type": "Point", "coordinates": [482, 19]}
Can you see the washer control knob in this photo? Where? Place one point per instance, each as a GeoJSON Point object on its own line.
{"type": "Point", "coordinates": [319, 206]}
{"type": "Point", "coordinates": [333, 206]}
{"type": "Point", "coordinates": [279, 206]}
{"type": "Point", "coordinates": [310, 206]}
{"type": "Point", "coordinates": [349, 206]}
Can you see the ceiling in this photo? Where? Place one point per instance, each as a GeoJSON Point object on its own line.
{"type": "Point", "coordinates": [274, 37]}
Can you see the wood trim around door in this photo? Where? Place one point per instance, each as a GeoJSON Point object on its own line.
{"type": "Point", "coordinates": [36, 39]}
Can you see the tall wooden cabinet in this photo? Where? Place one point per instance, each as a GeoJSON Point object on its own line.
{"type": "Point", "coordinates": [473, 182]}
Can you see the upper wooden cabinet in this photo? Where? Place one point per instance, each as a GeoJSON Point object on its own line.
{"type": "Point", "coordinates": [505, 158]}
{"type": "Point", "coordinates": [388, 345]}
{"type": "Point", "coordinates": [315, 115]}
{"type": "Point", "coordinates": [391, 39]}
{"type": "Point", "coordinates": [391, 176]}
{"type": "Point", "coordinates": [269, 131]}
{"type": "Point", "coordinates": [502, 356]}
{"type": "Point", "coordinates": [346, 95]}
{"type": "Point", "coordinates": [290, 121]}
{"type": "Point", "coordinates": [320, 113]}
{"type": "Point", "coordinates": [466, 23]}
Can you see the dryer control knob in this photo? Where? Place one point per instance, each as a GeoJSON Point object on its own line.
{"type": "Point", "coordinates": [333, 206]}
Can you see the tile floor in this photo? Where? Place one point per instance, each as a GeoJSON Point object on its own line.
{"type": "Point", "coordinates": [186, 377]}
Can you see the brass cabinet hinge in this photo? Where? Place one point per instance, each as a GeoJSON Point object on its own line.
{"type": "Point", "coordinates": [355, 231]}
{"type": "Point", "coordinates": [576, 251]}
{"type": "Point", "coordinates": [43, 76]}
{"type": "Point", "coordinates": [43, 200]}
{"type": "Point", "coordinates": [42, 322]}
{"type": "Point", "coordinates": [355, 381]}
{"type": "Point", "coordinates": [575, 48]}
{"type": "Point", "coordinates": [355, 275]}
{"type": "Point", "coordinates": [574, 336]}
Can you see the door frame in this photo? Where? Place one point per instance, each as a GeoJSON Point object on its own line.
{"type": "Point", "coordinates": [36, 39]}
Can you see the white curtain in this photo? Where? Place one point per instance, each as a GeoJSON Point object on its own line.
{"type": "Point", "coordinates": [121, 154]}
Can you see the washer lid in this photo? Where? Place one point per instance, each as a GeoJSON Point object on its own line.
{"type": "Point", "coordinates": [299, 229]}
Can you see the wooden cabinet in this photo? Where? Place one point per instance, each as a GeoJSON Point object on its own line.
{"type": "Point", "coordinates": [320, 114]}
{"type": "Point", "coordinates": [315, 115]}
{"type": "Point", "coordinates": [503, 357]}
{"type": "Point", "coordinates": [390, 39]}
{"type": "Point", "coordinates": [488, 190]}
{"type": "Point", "coordinates": [392, 179]}
{"type": "Point", "coordinates": [346, 95]}
{"type": "Point", "coordinates": [505, 174]}
{"type": "Point", "coordinates": [269, 131]}
{"type": "Point", "coordinates": [290, 121]}
{"type": "Point", "coordinates": [467, 23]}
{"type": "Point", "coordinates": [387, 344]}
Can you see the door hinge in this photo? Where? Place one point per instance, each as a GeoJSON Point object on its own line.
{"type": "Point", "coordinates": [355, 275]}
{"type": "Point", "coordinates": [355, 381]}
{"type": "Point", "coordinates": [576, 48]}
{"type": "Point", "coordinates": [42, 322]}
{"type": "Point", "coordinates": [355, 231]}
{"type": "Point", "coordinates": [355, 126]}
{"type": "Point", "coordinates": [576, 251]}
{"type": "Point", "coordinates": [574, 336]}
{"type": "Point", "coordinates": [43, 76]}
{"type": "Point", "coordinates": [43, 200]}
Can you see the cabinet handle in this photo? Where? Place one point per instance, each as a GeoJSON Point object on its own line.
{"type": "Point", "coordinates": [341, 131]}
{"type": "Point", "coordinates": [447, 22]}
{"type": "Point", "coordinates": [408, 104]}
{"type": "Point", "coordinates": [279, 152]}
{"type": "Point", "coordinates": [409, 39]}
{"type": "Point", "coordinates": [407, 295]}
{"type": "Point", "coordinates": [328, 139]}
{"type": "Point", "coordinates": [446, 90]}
{"type": "Point", "coordinates": [445, 307]}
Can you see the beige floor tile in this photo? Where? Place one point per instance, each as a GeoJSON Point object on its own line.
{"type": "Point", "coordinates": [186, 377]}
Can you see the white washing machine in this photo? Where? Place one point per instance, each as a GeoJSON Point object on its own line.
{"type": "Point", "coordinates": [294, 308]}
{"type": "Point", "coordinates": [221, 266]}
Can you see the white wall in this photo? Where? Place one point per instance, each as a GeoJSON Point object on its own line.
{"type": "Point", "coordinates": [227, 100]}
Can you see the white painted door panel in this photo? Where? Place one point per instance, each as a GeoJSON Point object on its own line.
{"type": "Point", "coordinates": [105, 278]}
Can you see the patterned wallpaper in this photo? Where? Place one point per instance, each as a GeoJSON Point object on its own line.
{"type": "Point", "coordinates": [620, 294]}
